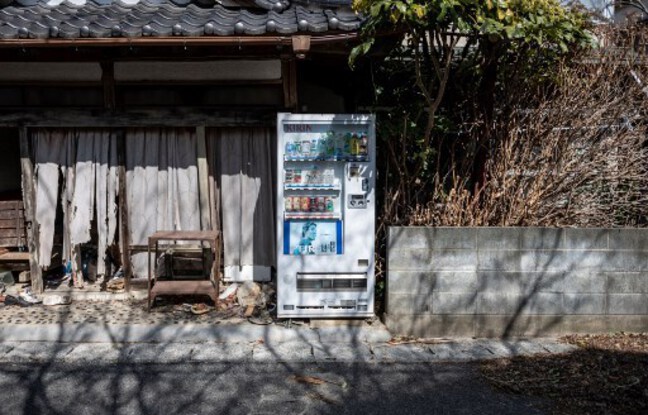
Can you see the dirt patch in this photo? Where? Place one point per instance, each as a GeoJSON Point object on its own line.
{"type": "Point", "coordinates": [607, 374]}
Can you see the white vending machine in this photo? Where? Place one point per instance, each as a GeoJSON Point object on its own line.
{"type": "Point", "coordinates": [325, 215]}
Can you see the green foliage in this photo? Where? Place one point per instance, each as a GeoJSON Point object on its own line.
{"type": "Point", "coordinates": [544, 23]}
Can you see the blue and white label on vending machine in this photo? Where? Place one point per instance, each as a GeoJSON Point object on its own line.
{"type": "Point", "coordinates": [312, 237]}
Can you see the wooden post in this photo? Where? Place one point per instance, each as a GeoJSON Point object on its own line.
{"type": "Point", "coordinates": [29, 200]}
{"type": "Point", "coordinates": [108, 81]}
{"type": "Point", "coordinates": [203, 180]}
{"type": "Point", "coordinates": [289, 78]}
{"type": "Point", "coordinates": [124, 235]}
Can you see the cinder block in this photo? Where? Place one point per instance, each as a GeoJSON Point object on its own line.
{"type": "Point", "coordinates": [541, 303]}
{"type": "Point", "coordinates": [411, 282]}
{"type": "Point", "coordinates": [499, 238]}
{"type": "Point", "coordinates": [586, 239]}
{"type": "Point", "coordinates": [543, 238]}
{"type": "Point", "coordinates": [584, 303]}
{"type": "Point", "coordinates": [456, 281]}
{"type": "Point", "coordinates": [491, 260]}
{"type": "Point", "coordinates": [431, 238]}
{"type": "Point", "coordinates": [627, 282]}
{"type": "Point", "coordinates": [627, 304]}
{"type": "Point", "coordinates": [430, 325]}
{"type": "Point", "coordinates": [399, 304]}
{"type": "Point", "coordinates": [629, 239]}
{"type": "Point", "coordinates": [496, 326]}
{"type": "Point", "coordinates": [433, 260]}
{"type": "Point", "coordinates": [619, 260]}
{"type": "Point", "coordinates": [451, 303]}
{"type": "Point", "coordinates": [517, 282]}
{"type": "Point", "coordinates": [546, 260]}
{"type": "Point", "coordinates": [566, 260]}
{"type": "Point", "coordinates": [503, 326]}
{"type": "Point", "coordinates": [499, 303]}
{"type": "Point", "coordinates": [579, 281]}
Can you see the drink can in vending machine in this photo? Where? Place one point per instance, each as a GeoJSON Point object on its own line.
{"type": "Point", "coordinates": [289, 176]}
{"type": "Point", "coordinates": [321, 204]}
{"type": "Point", "coordinates": [313, 204]}
{"type": "Point", "coordinates": [288, 204]}
{"type": "Point", "coordinates": [305, 204]}
{"type": "Point", "coordinates": [297, 176]}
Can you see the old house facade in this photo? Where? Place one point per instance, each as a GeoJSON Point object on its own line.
{"type": "Point", "coordinates": [121, 118]}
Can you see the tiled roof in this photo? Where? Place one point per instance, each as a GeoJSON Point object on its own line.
{"type": "Point", "coordinates": [164, 18]}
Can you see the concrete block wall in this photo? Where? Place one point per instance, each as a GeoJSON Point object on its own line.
{"type": "Point", "coordinates": [501, 282]}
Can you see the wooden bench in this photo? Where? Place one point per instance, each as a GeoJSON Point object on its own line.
{"type": "Point", "coordinates": [13, 235]}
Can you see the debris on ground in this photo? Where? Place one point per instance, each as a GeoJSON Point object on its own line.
{"type": "Point", "coordinates": [398, 340]}
{"type": "Point", "coordinates": [608, 374]}
{"type": "Point", "coordinates": [116, 285]}
{"type": "Point", "coordinates": [249, 310]}
{"type": "Point", "coordinates": [312, 380]}
{"type": "Point", "coordinates": [229, 291]}
{"type": "Point", "coordinates": [200, 308]}
{"type": "Point", "coordinates": [57, 299]}
{"type": "Point", "coordinates": [249, 294]}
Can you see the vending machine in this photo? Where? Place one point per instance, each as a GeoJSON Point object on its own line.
{"type": "Point", "coordinates": [325, 215]}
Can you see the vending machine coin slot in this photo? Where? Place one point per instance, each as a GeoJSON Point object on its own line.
{"type": "Point", "coordinates": [357, 201]}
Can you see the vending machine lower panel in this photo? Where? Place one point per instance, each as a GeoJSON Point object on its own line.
{"type": "Point", "coordinates": [326, 295]}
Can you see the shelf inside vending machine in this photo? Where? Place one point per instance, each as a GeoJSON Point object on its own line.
{"type": "Point", "coordinates": [348, 157]}
{"type": "Point", "coordinates": [311, 215]}
{"type": "Point", "coordinates": [335, 187]}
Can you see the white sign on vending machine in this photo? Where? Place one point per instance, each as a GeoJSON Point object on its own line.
{"type": "Point", "coordinates": [325, 215]}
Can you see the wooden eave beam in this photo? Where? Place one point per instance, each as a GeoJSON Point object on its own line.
{"type": "Point", "coordinates": [175, 41]}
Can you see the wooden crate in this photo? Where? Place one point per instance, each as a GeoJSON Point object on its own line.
{"type": "Point", "coordinates": [12, 224]}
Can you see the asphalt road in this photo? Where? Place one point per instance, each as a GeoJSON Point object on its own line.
{"type": "Point", "coordinates": [253, 388]}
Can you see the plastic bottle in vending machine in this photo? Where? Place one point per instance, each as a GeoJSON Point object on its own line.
{"type": "Point", "coordinates": [321, 204]}
{"type": "Point", "coordinates": [364, 145]}
{"type": "Point", "coordinates": [347, 144]}
{"type": "Point", "coordinates": [305, 204]}
{"type": "Point", "coordinates": [288, 204]}
{"type": "Point", "coordinates": [297, 176]}
{"type": "Point", "coordinates": [314, 148]}
{"type": "Point", "coordinates": [330, 145]}
{"type": "Point", "coordinates": [329, 204]}
{"type": "Point", "coordinates": [355, 145]}
{"type": "Point", "coordinates": [290, 148]}
{"type": "Point", "coordinates": [305, 148]}
{"type": "Point", "coordinates": [297, 152]}
{"type": "Point", "coordinates": [312, 204]}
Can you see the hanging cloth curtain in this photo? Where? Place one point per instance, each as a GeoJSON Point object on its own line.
{"type": "Point", "coordinates": [242, 164]}
{"type": "Point", "coordinates": [52, 151]}
{"type": "Point", "coordinates": [87, 161]}
{"type": "Point", "coordinates": [162, 184]}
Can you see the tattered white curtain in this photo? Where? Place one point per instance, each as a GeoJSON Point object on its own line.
{"type": "Point", "coordinates": [242, 163]}
{"type": "Point", "coordinates": [84, 161]}
{"type": "Point", "coordinates": [162, 184]}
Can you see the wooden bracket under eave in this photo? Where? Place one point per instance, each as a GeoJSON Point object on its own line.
{"type": "Point", "coordinates": [301, 45]}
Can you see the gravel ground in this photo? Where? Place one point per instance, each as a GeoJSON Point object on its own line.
{"type": "Point", "coordinates": [118, 312]}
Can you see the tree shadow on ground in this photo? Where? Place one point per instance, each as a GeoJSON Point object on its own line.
{"type": "Point", "coordinates": [606, 375]}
